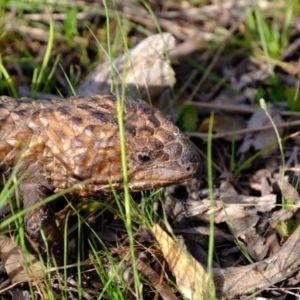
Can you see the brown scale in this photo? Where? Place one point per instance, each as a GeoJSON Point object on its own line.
{"type": "Point", "coordinates": [67, 141]}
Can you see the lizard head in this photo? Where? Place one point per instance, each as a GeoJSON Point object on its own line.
{"type": "Point", "coordinates": [157, 153]}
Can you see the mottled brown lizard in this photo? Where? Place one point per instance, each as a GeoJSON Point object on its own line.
{"type": "Point", "coordinates": [67, 141]}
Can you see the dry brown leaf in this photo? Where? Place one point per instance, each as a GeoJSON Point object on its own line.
{"type": "Point", "coordinates": [19, 267]}
{"type": "Point", "coordinates": [261, 139]}
{"type": "Point", "coordinates": [144, 70]}
{"type": "Point", "coordinates": [243, 225]}
{"type": "Point", "coordinates": [230, 207]}
{"type": "Point", "coordinates": [256, 245]}
{"type": "Point", "coordinates": [242, 280]}
{"type": "Point", "coordinates": [191, 277]}
{"type": "Point", "coordinates": [291, 194]}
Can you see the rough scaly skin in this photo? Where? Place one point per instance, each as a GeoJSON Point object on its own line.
{"type": "Point", "coordinates": [68, 141]}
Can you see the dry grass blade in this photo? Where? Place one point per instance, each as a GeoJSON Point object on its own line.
{"type": "Point", "coordinates": [163, 289]}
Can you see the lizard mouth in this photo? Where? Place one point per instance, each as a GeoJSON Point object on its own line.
{"type": "Point", "coordinates": [170, 173]}
{"type": "Point", "coordinates": [155, 177]}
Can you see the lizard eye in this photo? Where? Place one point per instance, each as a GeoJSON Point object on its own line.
{"type": "Point", "coordinates": [143, 158]}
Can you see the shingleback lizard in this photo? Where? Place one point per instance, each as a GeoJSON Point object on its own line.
{"type": "Point", "coordinates": [67, 141]}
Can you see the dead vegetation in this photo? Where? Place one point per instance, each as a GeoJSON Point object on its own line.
{"type": "Point", "coordinates": [207, 72]}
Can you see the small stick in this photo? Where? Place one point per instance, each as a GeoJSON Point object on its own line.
{"type": "Point", "coordinates": [241, 109]}
{"type": "Point", "coordinates": [244, 131]}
